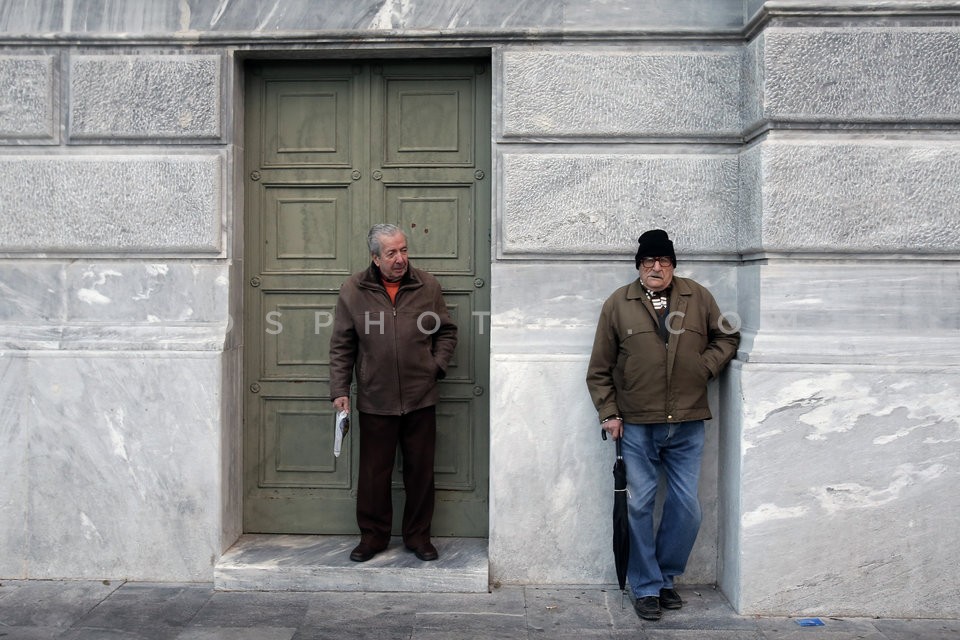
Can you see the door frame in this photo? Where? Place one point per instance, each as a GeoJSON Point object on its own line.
{"type": "Point", "coordinates": [235, 382]}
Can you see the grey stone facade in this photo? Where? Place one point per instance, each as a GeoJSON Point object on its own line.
{"type": "Point", "coordinates": [119, 97]}
{"type": "Point", "coordinates": [804, 156]}
{"type": "Point", "coordinates": [28, 99]}
{"type": "Point", "coordinates": [163, 204]}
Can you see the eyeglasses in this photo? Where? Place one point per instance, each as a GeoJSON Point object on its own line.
{"type": "Point", "coordinates": [663, 260]}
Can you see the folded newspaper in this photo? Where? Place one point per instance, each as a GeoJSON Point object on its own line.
{"type": "Point", "coordinates": [341, 428]}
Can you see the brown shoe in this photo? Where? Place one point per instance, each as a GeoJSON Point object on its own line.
{"type": "Point", "coordinates": [425, 551]}
{"type": "Point", "coordinates": [364, 552]}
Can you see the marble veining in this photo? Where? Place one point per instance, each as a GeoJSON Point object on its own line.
{"type": "Point", "coordinates": [134, 447]}
{"type": "Point", "coordinates": [295, 16]}
{"type": "Point", "coordinates": [114, 305]}
{"type": "Point", "coordinates": [870, 455]}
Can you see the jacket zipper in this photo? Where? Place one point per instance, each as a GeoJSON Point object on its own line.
{"type": "Point", "coordinates": [396, 348]}
{"type": "Point", "coordinates": [396, 356]}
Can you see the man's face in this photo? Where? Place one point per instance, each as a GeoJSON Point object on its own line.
{"type": "Point", "coordinates": [393, 261]}
{"type": "Point", "coordinates": [656, 277]}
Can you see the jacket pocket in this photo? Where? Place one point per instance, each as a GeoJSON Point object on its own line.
{"type": "Point", "coordinates": [689, 367]}
{"type": "Point", "coordinates": [641, 361]}
{"type": "Point", "coordinates": [418, 369]}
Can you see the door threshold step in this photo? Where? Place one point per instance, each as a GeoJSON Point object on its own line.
{"type": "Point", "coordinates": [272, 562]}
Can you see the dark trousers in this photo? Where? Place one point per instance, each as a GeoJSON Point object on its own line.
{"type": "Point", "coordinates": [416, 433]}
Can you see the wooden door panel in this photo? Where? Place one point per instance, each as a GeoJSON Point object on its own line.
{"type": "Point", "coordinates": [439, 222]}
{"type": "Point", "coordinates": [455, 437]}
{"type": "Point", "coordinates": [453, 466]}
{"type": "Point", "coordinates": [296, 337]}
{"type": "Point", "coordinates": [429, 122]}
{"type": "Point", "coordinates": [306, 229]}
{"type": "Point", "coordinates": [295, 452]}
{"type": "Point", "coordinates": [307, 122]}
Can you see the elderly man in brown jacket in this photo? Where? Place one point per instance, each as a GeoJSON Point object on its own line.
{"type": "Point", "coordinates": [392, 327]}
{"type": "Point", "coordinates": [659, 341]}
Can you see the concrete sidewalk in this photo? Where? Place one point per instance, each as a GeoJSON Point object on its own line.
{"type": "Point", "coordinates": [94, 610]}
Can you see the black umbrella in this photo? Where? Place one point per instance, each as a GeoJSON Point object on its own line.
{"type": "Point", "coordinates": [621, 526]}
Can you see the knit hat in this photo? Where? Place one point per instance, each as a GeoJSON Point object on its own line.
{"type": "Point", "coordinates": [654, 244]}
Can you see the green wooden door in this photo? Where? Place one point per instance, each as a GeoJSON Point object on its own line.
{"type": "Point", "coordinates": [332, 148]}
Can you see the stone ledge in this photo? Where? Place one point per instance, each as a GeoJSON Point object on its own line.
{"type": "Point", "coordinates": [114, 337]}
{"type": "Point", "coordinates": [263, 562]}
{"type": "Point", "coordinates": [929, 351]}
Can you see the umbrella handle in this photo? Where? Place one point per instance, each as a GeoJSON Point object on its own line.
{"type": "Point", "coordinates": [603, 433]}
{"type": "Point", "coordinates": [619, 447]}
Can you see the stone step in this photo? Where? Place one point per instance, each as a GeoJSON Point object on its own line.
{"type": "Point", "coordinates": [268, 562]}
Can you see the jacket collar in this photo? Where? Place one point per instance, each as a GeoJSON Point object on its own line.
{"type": "Point", "coordinates": [679, 286]}
{"type": "Point", "coordinates": [679, 290]}
{"type": "Point", "coordinates": [373, 278]}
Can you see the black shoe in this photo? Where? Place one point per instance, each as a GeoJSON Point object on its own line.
{"type": "Point", "coordinates": [670, 599]}
{"type": "Point", "coordinates": [364, 552]}
{"type": "Point", "coordinates": [648, 607]}
{"type": "Point", "coordinates": [425, 552]}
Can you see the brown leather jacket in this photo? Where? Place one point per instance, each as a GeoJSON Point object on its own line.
{"type": "Point", "coordinates": [399, 351]}
{"type": "Point", "coordinates": [633, 375]}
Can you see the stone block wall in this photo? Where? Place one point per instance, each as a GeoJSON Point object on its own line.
{"type": "Point", "coordinates": [803, 154]}
{"type": "Point", "coordinates": [114, 319]}
{"type": "Point", "coordinates": [593, 146]}
{"type": "Point", "coordinates": [836, 473]}
{"type": "Point", "coordinates": [145, 97]}
{"type": "Point", "coordinates": [30, 97]}
{"type": "Point", "coordinates": [831, 181]}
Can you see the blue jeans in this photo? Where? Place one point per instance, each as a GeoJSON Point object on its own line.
{"type": "Point", "coordinates": [657, 557]}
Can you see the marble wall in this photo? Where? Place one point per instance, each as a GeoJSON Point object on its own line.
{"type": "Point", "coordinates": [847, 474]}
{"type": "Point", "coordinates": [112, 394]}
{"type": "Point", "coordinates": [120, 479]}
{"type": "Point", "coordinates": [844, 401]}
{"type": "Point", "coordinates": [593, 146]}
{"type": "Point", "coordinates": [28, 83]}
{"type": "Point", "coordinates": [802, 154]}
{"type": "Point", "coordinates": [255, 18]}
{"type": "Point", "coordinates": [544, 434]}
{"type": "Point", "coordinates": [118, 361]}
{"type": "Point", "coordinates": [835, 471]}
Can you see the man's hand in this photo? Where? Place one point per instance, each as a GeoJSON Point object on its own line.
{"type": "Point", "coordinates": [613, 426]}
{"type": "Point", "coordinates": [342, 404]}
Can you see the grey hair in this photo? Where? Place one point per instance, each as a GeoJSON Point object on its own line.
{"type": "Point", "coordinates": [378, 231]}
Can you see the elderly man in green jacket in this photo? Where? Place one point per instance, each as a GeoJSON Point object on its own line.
{"type": "Point", "coordinates": [659, 341]}
{"type": "Point", "coordinates": [392, 327]}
